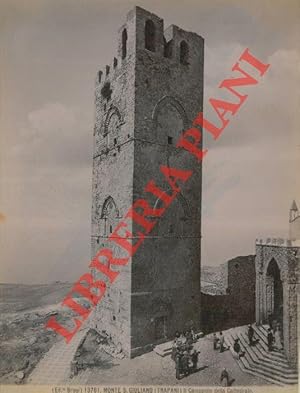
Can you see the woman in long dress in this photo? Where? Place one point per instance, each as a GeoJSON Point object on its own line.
{"type": "Point", "coordinates": [277, 337]}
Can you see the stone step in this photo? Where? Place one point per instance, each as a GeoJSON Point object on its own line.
{"type": "Point", "coordinates": [260, 367]}
{"type": "Point", "coordinates": [276, 353]}
{"type": "Point", "coordinates": [255, 363]}
{"type": "Point", "coordinates": [265, 355]}
{"type": "Point", "coordinates": [164, 349]}
{"type": "Point", "coordinates": [279, 369]}
{"type": "Point", "coordinates": [271, 357]}
{"type": "Point", "coordinates": [263, 342]}
{"type": "Point", "coordinates": [249, 367]}
{"type": "Point", "coordinates": [246, 367]}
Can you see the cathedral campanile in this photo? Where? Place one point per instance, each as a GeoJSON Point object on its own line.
{"type": "Point", "coordinates": [145, 99]}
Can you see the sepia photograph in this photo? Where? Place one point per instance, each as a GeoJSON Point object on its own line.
{"type": "Point", "coordinates": [149, 196]}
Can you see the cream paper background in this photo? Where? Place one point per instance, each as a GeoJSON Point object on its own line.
{"type": "Point", "coordinates": [50, 53]}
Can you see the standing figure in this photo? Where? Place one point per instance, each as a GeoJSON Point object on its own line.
{"type": "Point", "coordinates": [194, 337]}
{"type": "Point", "coordinates": [178, 364]}
{"type": "Point", "coordinates": [215, 341]}
{"type": "Point", "coordinates": [221, 341]}
{"type": "Point", "coordinates": [174, 351]}
{"type": "Point", "coordinates": [189, 337]}
{"type": "Point", "coordinates": [181, 342]}
{"type": "Point", "coordinates": [175, 346]}
{"type": "Point", "coordinates": [270, 320]}
{"type": "Point", "coordinates": [194, 358]}
{"type": "Point", "coordinates": [270, 339]}
{"type": "Point", "coordinates": [225, 377]}
{"type": "Point", "coordinates": [185, 363]}
{"type": "Point", "coordinates": [237, 349]}
{"type": "Point", "coordinates": [277, 337]}
{"type": "Point", "coordinates": [250, 334]}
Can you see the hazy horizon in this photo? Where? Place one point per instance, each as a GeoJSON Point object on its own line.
{"type": "Point", "coordinates": [51, 52]}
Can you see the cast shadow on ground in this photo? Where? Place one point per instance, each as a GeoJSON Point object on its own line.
{"type": "Point", "coordinates": [200, 368]}
{"type": "Point", "coordinates": [254, 342]}
{"type": "Point", "coordinates": [225, 349]}
{"type": "Point", "coordinates": [104, 364]}
{"type": "Point", "coordinates": [197, 370]}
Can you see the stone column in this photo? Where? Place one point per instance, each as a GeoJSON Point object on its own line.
{"type": "Point", "coordinates": [290, 321]}
{"type": "Point", "coordinates": [257, 298]}
{"type": "Point", "coordinates": [286, 317]}
{"type": "Point", "coordinates": [269, 297]}
{"type": "Point", "coordinates": [259, 290]}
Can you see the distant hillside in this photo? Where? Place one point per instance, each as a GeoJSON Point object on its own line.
{"type": "Point", "coordinates": [213, 280]}
{"type": "Point", "coordinates": [18, 297]}
{"type": "Point", "coordinates": [24, 310]}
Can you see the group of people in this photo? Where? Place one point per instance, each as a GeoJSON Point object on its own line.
{"type": "Point", "coordinates": [219, 342]}
{"type": "Point", "coordinates": [186, 357]}
{"type": "Point", "coordinates": [183, 353]}
{"type": "Point", "coordinates": [275, 338]}
{"type": "Point", "coordinates": [238, 352]}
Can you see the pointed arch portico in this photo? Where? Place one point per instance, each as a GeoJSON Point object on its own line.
{"type": "Point", "coordinates": [276, 265]}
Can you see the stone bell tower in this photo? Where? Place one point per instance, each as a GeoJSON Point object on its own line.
{"type": "Point", "coordinates": [144, 100]}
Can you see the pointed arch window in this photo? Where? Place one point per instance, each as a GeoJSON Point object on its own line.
{"type": "Point", "coordinates": [150, 35]}
{"type": "Point", "coordinates": [168, 48]}
{"type": "Point", "coordinates": [110, 215]}
{"type": "Point", "coordinates": [184, 53]}
{"type": "Point", "coordinates": [124, 44]}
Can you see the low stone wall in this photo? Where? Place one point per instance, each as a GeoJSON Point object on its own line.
{"type": "Point", "coordinates": [220, 312]}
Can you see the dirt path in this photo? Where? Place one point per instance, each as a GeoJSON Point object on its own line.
{"type": "Point", "coordinates": [54, 368]}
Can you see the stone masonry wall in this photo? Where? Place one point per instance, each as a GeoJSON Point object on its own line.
{"type": "Point", "coordinates": [144, 100]}
{"type": "Point", "coordinates": [286, 257]}
{"type": "Point", "coordinates": [237, 307]}
{"type": "Point", "coordinates": [113, 178]}
{"type": "Point", "coordinates": [166, 269]}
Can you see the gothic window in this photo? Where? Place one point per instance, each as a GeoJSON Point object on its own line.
{"type": "Point", "coordinates": [178, 222]}
{"type": "Point", "coordinates": [169, 120]}
{"type": "Point", "coordinates": [184, 53]}
{"type": "Point", "coordinates": [109, 214]}
{"type": "Point", "coordinates": [124, 43]}
{"type": "Point", "coordinates": [168, 48]}
{"type": "Point", "coordinates": [106, 91]}
{"type": "Point", "coordinates": [150, 35]}
{"type": "Point", "coordinates": [111, 127]}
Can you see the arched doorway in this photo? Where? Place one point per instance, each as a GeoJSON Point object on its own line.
{"type": "Point", "coordinates": [274, 293]}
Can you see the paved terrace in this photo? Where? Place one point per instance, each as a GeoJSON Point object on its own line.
{"type": "Point", "coordinates": [147, 369]}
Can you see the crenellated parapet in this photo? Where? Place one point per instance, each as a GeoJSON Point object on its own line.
{"type": "Point", "coordinates": [144, 30]}
{"type": "Point", "coordinates": [279, 242]}
{"type": "Point", "coordinates": [146, 54]}
{"type": "Point", "coordinates": [145, 96]}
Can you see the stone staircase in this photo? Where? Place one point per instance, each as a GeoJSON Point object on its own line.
{"type": "Point", "coordinates": [164, 349]}
{"type": "Point", "coordinates": [272, 366]}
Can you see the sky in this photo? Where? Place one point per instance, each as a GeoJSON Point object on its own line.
{"type": "Point", "coordinates": [50, 53]}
